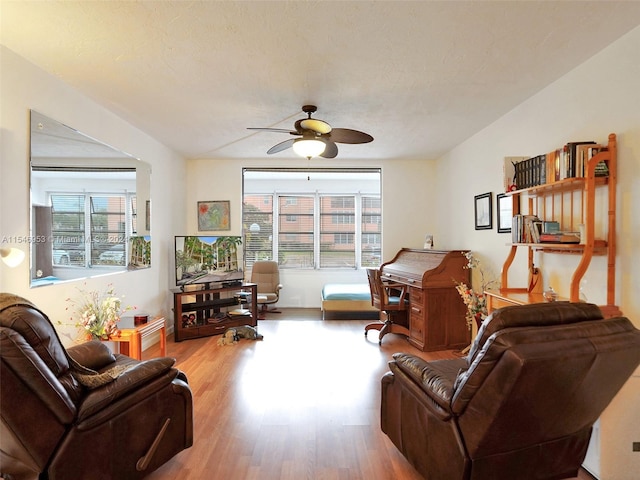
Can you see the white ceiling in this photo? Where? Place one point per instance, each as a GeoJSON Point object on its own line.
{"type": "Point", "coordinates": [419, 76]}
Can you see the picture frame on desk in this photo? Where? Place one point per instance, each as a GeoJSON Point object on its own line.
{"type": "Point", "coordinates": [504, 209]}
{"type": "Point", "coordinates": [483, 211]}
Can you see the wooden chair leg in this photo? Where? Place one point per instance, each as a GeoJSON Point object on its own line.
{"type": "Point", "coordinates": [373, 326]}
{"type": "Point", "coordinates": [386, 327]}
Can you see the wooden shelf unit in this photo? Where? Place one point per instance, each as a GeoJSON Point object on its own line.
{"type": "Point", "coordinates": [549, 202]}
{"type": "Point", "coordinates": [209, 310]}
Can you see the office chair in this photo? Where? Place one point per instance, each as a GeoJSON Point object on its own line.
{"type": "Point", "coordinates": [390, 299]}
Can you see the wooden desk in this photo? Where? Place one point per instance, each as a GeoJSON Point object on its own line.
{"type": "Point", "coordinates": [130, 339]}
{"type": "Point", "coordinates": [436, 310]}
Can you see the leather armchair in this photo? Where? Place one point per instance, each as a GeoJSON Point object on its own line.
{"type": "Point", "coordinates": [521, 404]}
{"type": "Point", "coordinates": [55, 427]}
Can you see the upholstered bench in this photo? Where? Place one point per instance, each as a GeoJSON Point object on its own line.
{"type": "Point", "coordinates": [341, 297]}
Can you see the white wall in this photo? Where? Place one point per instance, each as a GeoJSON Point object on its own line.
{"type": "Point", "coordinates": [24, 87]}
{"type": "Point", "coordinates": [600, 97]}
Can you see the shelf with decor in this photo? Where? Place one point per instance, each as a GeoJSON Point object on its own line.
{"type": "Point", "coordinates": [574, 183]}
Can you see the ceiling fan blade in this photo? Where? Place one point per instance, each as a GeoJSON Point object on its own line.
{"type": "Point", "coordinates": [281, 146]}
{"type": "Point", "coordinates": [346, 135]}
{"type": "Point", "coordinates": [330, 150]}
{"type": "Point", "coordinates": [266, 129]}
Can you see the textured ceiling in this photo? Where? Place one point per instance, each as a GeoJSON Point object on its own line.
{"type": "Point", "coordinates": [419, 76]}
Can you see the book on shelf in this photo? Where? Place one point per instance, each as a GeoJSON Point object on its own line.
{"type": "Point", "coordinates": [531, 232]}
{"type": "Point", "coordinates": [571, 148]}
{"type": "Point", "coordinates": [560, 237]}
{"type": "Point", "coordinates": [531, 172]}
{"type": "Point", "coordinates": [516, 223]}
{"type": "Point", "coordinates": [550, 227]}
{"type": "Point", "coordinates": [525, 229]}
{"type": "Point", "coordinates": [553, 160]}
{"type": "Point", "coordinates": [509, 172]}
{"type": "Point", "coordinates": [602, 168]}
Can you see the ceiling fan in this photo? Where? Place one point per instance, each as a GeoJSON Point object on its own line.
{"type": "Point", "coordinates": [315, 137]}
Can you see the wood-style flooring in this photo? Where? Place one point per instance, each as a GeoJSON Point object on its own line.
{"type": "Point", "coordinates": [304, 403]}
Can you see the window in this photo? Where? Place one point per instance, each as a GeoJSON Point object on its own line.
{"type": "Point", "coordinates": [257, 213]}
{"type": "Point", "coordinates": [317, 224]}
{"type": "Point", "coordinates": [295, 231]}
{"type": "Point", "coordinates": [68, 229]}
{"type": "Point", "coordinates": [105, 217]}
{"type": "Point", "coordinates": [337, 231]}
{"type": "Point", "coordinates": [371, 236]}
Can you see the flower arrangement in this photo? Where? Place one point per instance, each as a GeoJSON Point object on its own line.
{"type": "Point", "coordinates": [99, 312]}
{"type": "Point", "coordinates": [475, 301]}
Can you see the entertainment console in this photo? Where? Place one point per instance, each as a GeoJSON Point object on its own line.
{"type": "Point", "coordinates": [209, 309]}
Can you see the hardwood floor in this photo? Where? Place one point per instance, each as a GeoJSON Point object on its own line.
{"type": "Point", "coordinates": [304, 403]}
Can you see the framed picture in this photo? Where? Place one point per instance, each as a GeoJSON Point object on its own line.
{"type": "Point", "coordinates": [484, 214]}
{"type": "Point", "coordinates": [214, 215]}
{"type": "Point", "coordinates": [147, 215]}
{"type": "Point", "coordinates": [504, 207]}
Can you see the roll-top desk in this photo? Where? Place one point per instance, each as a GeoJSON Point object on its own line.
{"type": "Point", "coordinates": [437, 312]}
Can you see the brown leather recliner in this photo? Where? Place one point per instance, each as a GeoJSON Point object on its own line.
{"type": "Point", "coordinates": [521, 405]}
{"type": "Point", "coordinates": [57, 423]}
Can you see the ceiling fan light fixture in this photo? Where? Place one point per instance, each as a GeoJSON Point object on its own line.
{"type": "Point", "coordinates": [308, 147]}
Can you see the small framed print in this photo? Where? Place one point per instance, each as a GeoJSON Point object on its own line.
{"type": "Point", "coordinates": [504, 207]}
{"type": "Point", "coordinates": [214, 215]}
{"type": "Point", "coordinates": [483, 211]}
{"type": "Point", "coordinates": [147, 215]}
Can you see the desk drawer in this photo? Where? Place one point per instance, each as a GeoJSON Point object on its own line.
{"type": "Point", "coordinates": [417, 324]}
{"type": "Point", "coordinates": [416, 296]}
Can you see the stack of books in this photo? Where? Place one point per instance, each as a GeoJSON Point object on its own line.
{"type": "Point", "coordinates": [530, 229]}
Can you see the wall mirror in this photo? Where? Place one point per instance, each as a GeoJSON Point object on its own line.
{"type": "Point", "coordinates": [90, 206]}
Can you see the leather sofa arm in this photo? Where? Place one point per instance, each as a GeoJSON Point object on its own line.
{"type": "Point", "coordinates": [155, 370]}
{"type": "Point", "coordinates": [436, 378]}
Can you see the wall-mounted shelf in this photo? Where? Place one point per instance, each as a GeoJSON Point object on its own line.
{"type": "Point", "coordinates": [572, 202]}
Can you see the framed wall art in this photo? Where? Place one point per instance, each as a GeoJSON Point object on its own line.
{"type": "Point", "coordinates": [483, 211]}
{"type": "Point", "coordinates": [214, 215]}
{"type": "Point", "coordinates": [504, 209]}
{"type": "Point", "coordinates": [147, 215]}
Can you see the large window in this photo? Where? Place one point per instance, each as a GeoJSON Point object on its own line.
{"type": "Point", "coordinates": [313, 219]}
